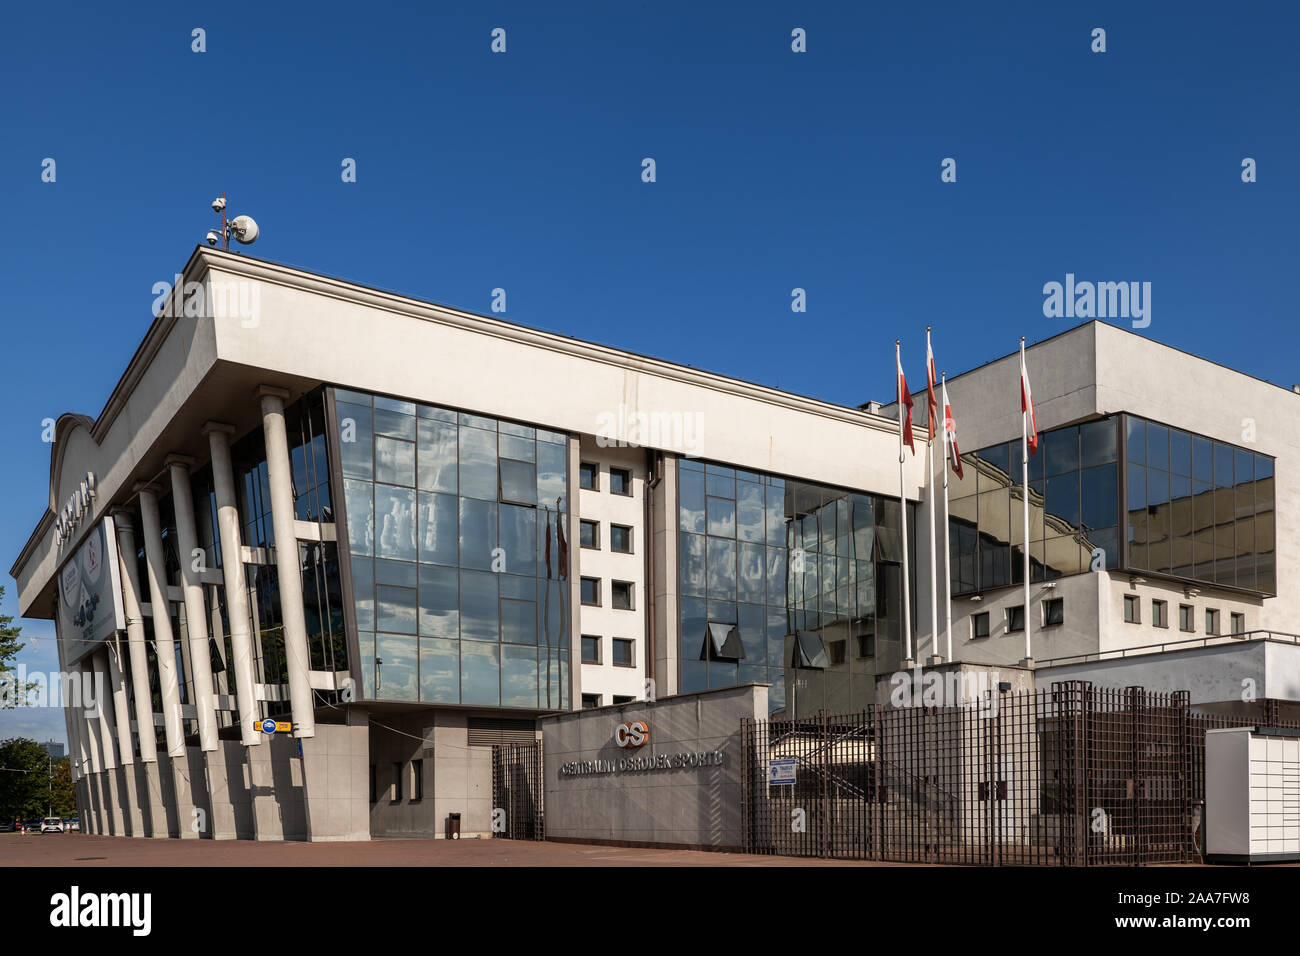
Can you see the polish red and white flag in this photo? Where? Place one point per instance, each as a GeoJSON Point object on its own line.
{"type": "Point", "coordinates": [950, 434]}
{"type": "Point", "coordinates": [1027, 404]}
{"type": "Point", "coordinates": [904, 407]}
{"type": "Point", "coordinates": [932, 410]}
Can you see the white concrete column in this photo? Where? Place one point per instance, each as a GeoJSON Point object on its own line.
{"type": "Point", "coordinates": [232, 567]}
{"type": "Point", "coordinates": [144, 728]}
{"type": "Point", "coordinates": [195, 609]}
{"type": "Point", "coordinates": [104, 706]}
{"type": "Point", "coordinates": [289, 572]}
{"type": "Point", "coordinates": [164, 641]}
{"type": "Point", "coordinates": [121, 709]}
{"type": "Point", "coordinates": [91, 723]}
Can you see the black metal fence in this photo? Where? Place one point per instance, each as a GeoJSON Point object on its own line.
{"type": "Point", "coordinates": [1074, 775]}
{"type": "Point", "coordinates": [517, 807]}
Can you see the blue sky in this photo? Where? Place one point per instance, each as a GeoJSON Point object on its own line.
{"type": "Point", "coordinates": [522, 170]}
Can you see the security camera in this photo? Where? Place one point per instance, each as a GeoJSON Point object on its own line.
{"type": "Point", "coordinates": [214, 237]}
{"type": "Point", "coordinates": [218, 204]}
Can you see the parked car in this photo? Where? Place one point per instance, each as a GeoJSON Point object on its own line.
{"type": "Point", "coordinates": [33, 825]}
{"type": "Point", "coordinates": [52, 825]}
{"type": "Point", "coordinates": [73, 825]}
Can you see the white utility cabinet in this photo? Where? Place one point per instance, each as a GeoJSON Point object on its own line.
{"type": "Point", "coordinates": [1252, 795]}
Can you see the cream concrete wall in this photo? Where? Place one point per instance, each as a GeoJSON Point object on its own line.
{"type": "Point", "coordinates": [681, 806]}
{"type": "Point", "coordinates": [607, 622]}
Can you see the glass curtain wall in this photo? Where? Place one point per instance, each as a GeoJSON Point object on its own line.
{"type": "Point", "coordinates": [454, 527]}
{"type": "Point", "coordinates": [1073, 509]}
{"type": "Point", "coordinates": [1198, 508]}
{"type": "Point", "coordinates": [790, 583]}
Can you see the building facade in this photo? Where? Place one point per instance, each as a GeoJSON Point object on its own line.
{"type": "Point", "coordinates": [325, 546]}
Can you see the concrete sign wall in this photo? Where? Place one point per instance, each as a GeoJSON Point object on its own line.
{"type": "Point", "coordinates": [664, 773]}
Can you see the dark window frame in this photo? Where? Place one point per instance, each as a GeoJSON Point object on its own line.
{"type": "Point", "coordinates": [1011, 618]}
{"type": "Point", "coordinates": [585, 602]}
{"type": "Point", "coordinates": [583, 524]}
{"type": "Point", "coordinates": [600, 643]}
{"type": "Point", "coordinates": [979, 622]}
{"type": "Point", "coordinates": [621, 527]}
{"type": "Point", "coordinates": [1132, 609]}
{"type": "Point", "coordinates": [1054, 612]}
{"type": "Point", "coordinates": [1186, 617]}
{"type": "Point", "coordinates": [595, 476]}
{"type": "Point", "coordinates": [630, 643]}
{"type": "Point", "coordinates": [626, 474]}
{"type": "Point", "coordinates": [615, 587]}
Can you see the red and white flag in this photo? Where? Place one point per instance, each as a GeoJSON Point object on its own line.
{"type": "Point", "coordinates": [1027, 403]}
{"type": "Point", "coordinates": [950, 434]}
{"type": "Point", "coordinates": [904, 406]}
{"type": "Point", "coordinates": [932, 409]}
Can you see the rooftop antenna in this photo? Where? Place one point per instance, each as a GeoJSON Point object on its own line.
{"type": "Point", "coordinates": [243, 228]}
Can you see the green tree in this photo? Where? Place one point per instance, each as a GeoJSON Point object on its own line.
{"type": "Point", "coordinates": [11, 695]}
{"type": "Point", "coordinates": [24, 779]}
{"type": "Point", "coordinates": [63, 797]}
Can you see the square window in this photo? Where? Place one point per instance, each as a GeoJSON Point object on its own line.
{"type": "Point", "coordinates": [1053, 612]}
{"type": "Point", "coordinates": [591, 592]}
{"type": "Point", "coordinates": [1132, 609]}
{"type": "Point", "coordinates": [866, 645]}
{"type": "Point", "coordinates": [979, 624]}
{"type": "Point", "coordinates": [1186, 618]}
{"type": "Point", "coordinates": [1160, 613]}
{"type": "Point", "coordinates": [518, 482]}
{"type": "Point", "coordinates": [590, 649]}
{"type": "Point", "coordinates": [620, 482]}
{"type": "Point", "coordinates": [589, 534]}
{"type": "Point", "coordinates": [624, 652]}
{"type": "Point", "coordinates": [1211, 621]}
{"type": "Point", "coordinates": [1238, 624]}
{"type": "Point", "coordinates": [1016, 618]}
{"type": "Point", "coordinates": [589, 476]}
{"type": "Point", "coordinates": [620, 538]}
{"type": "Point", "coordinates": [590, 700]}
{"type": "Point", "coordinates": [621, 595]}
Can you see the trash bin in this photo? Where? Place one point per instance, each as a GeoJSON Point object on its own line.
{"type": "Point", "coordinates": [453, 826]}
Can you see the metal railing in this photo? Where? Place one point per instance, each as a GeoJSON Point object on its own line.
{"type": "Point", "coordinates": [517, 791]}
{"type": "Point", "coordinates": [1190, 643]}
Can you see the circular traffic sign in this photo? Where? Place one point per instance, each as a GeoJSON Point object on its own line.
{"type": "Point", "coordinates": [268, 726]}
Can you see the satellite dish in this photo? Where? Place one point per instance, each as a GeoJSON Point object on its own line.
{"type": "Point", "coordinates": [244, 229]}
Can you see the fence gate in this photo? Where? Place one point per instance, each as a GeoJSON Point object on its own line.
{"type": "Point", "coordinates": [517, 811]}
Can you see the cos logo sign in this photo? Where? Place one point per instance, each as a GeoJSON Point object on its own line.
{"type": "Point", "coordinates": [632, 735]}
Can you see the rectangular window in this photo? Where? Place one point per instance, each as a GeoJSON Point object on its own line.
{"type": "Point", "coordinates": [1132, 609]}
{"type": "Point", "coordinates": [866, 645]}
{"type": "Point", "coordinates": [1016, 618]}
{"type": "Point", "coordinates": [589, 535]}
{"type": "Point", "coordinates": [979, 625]}
{"type": "Point", "coordinates": [621, 595]}
{"type": "Point", "coordinates": [590, 700]}
{"type": "Point", "coordinates": [1238, 622]}
{"type": "Point", "coordinates": [396, 793]}
{"type": "Point", "coordinates": [1160, 613]}
{"type": "Point", "coordinates": [1053, 612]}
{"type": "Point", "coordinates": [417, 779]}
{"type": "Point", "coordinates": [374, 793]}
{"type": "Point", "coordinates": [624, 652]}
{"type": "Point", "coordinates": [518, 482]}
{"type": "Point", "coordinates": [839, 651]}
{"type": "Point", "coordinates": [1186, 618]}
{"type": "Point", "coordinates": [1211, 621]}
{"type": "Point", "coordinates": [590, 649]}
{"type": "Point", "coordinates": [623, 700]}
{"type": "Point", "coordinates": [620, 538]}
{"type": "Point", "coordinates": [589, 476]}
{"type": "Point", "coordinates": [591, 592]}
{"type": "Point", "coordinates": [620, 482]}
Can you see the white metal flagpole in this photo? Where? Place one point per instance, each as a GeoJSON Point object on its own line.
{"type": "Point", "coordinates": [1024, 472]}
{"type": "Point", "coordinates": [929, 494]}
{"type": "Point", "coordinates": [947, 526]}
{"type": "Point", "coordinates": [902, 504]}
